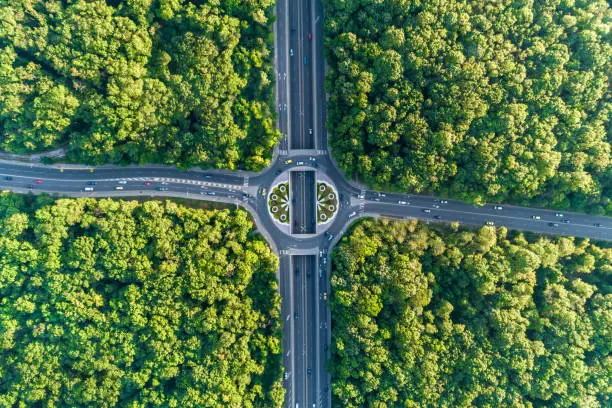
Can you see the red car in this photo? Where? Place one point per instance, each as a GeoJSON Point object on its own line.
{"type": "Point", "coordinates": [148, 183]}
{"type": "Point", "coordinates": [310, 36]}
{"type": "Point", "coordinates": [38, 181]}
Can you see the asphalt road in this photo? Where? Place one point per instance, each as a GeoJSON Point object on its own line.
{"type": "Point", "coordinates": [303, 208]}
{"type": "Point", "coordinates": [300, 99]}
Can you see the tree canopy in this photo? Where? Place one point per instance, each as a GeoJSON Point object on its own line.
{"type": "Point", "coordinates": [178, 82]}
{"type": "Point", "coordinates": [429, 316]}
{"type": "Point", "coordinates": [480, 100]}
{"type": "Point", "coordinates": [110, 303]}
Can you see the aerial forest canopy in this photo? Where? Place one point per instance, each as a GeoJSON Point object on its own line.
{"type": "Point", "coordinates": [433, 316]}
{"type": "Point", "coordinates": [480, 100]}
{"type": "Point", "coordinates": [114, 304]}
{"type": "Point", "coordinates": [170, 81]}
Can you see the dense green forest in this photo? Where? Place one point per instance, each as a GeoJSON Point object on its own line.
{"type": "Point", "coordinates": [433, 316]}
{"type": "Point", "coordinates": [169, 81]}
{"type": "Point", "coordinates": [113, 303]}
{"type": "Point", "coordinates": [499, 101]}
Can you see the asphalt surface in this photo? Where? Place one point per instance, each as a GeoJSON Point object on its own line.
{"type": "Point", "coordinates": [300, 98]}
{"type": "Point", "coordinates": [304, 207]}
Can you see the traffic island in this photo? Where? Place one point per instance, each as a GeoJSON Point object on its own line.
{"type": "Point", "coordinates": [327, 202]}
{"type": "Point", "coordinates": [278, 203]}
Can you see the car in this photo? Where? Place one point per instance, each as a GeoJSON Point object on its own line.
{"type": "Point", "coordinates": [207, 177]}
{"type": "Point", "coordinates": [8, 178]}
{"type": "Point", "coordinates": [325, 296]}
{"type": "Point", "coordinates": [91, 183]}
{"type": "Point", "coordinates": [164, 183]}
{"type": "Point", "coordinates": [161, 188]}
{"type": "Point", "coordinates": [325, 348]}
{"type": "Point", "coordinates": [277, 172]}
{"type": "Point", "coordinates": [498, 207]}
{"type": "Point", "coordinates": [309, 371]}
{"type": "Point", "coordinates": [324, 261]}
{"type": "Point", "coordinates": [122, 182]}
{"type": "Point", "coordinates": [553, 224]}
{"type": "Point", "coordinates": [558, 214]}
{"type": "Point", "coordinates": [598, 225]}
{"type": "Point", "coordinates": [300, 163]}
{"type": "Point", "coordinates": [427, 210]}
{"type": "Point", "coordinates": [535, 217]}
{"type": "Point", "coordinates": [118, 187]}
{"type": "Point", "coordinates": [382, 195]}
{"type": "Point", "coordinates": [437, 217]}
{"type": "Point", "coordinates": [263, 192]}
{"type": "Point", "coordinates": [297, 271]}
{"type": "Point", "coordinates": [296, 315]}
{"type": "Point", "coordinates": [376, 199]}
{"type": "Point", "coordinates": [305, 60]}
{"type": "Point", "coordinates": [310, 131]}
{"type": "Point", "coordinates": [286, 375]}
{"type": "Point", "coordinates": [293, 201]}
{"type": "Point", "coordinates": [88, 189]}
{"type": "Point", "coordinates": [211, 193]}
{"type": "Point", "coordinates": [30, 186]}
{"type": "Point", "coordinates": [291, 52]}
{"type": "Point", "coordinates": [436, 206]}
{"type": "Point", "coordinates": [314, 164]}
{"type": "Point", "coordinates": [402, 202]}
{"type": "Point", "coordinates": [288, 161]}
{"type": "Point", "coordinates": [566, 221]}
{"type": "Point", "coordinates": [148, 183]}
{"type": "Point", "coordinates": [38, 181]}
{"type": "Point", "coordinates": [329, 238]}
{"type": "Point", "coordinates": [341, 197]}
{"type": "Point", "coordinates": [490, 223]}
{"type": "Point", "coordinates": [311, 158]}
{"type": "Point", "coordinates": [443, 201]}
{"type": "Point", "coordinates": [309, 36]}
{"type": "Point", "coordinates": [354, 213]}
{"type": "Point", "coordinates": [326, 233]}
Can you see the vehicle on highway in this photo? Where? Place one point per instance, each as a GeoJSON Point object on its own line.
{"type": "Point", "coordinates": [300, 163]}
{"type": "Point", "coordinates": [91, 183]}
{"type": "Point", "coordinates": [311, 158]}
{"type": "Point", "coordinates": [325, 296]}
{"type": "Point", "coordinates": [207, 177]}
{"type": "Point", "coordinates": [382, 195]}
{"type": "Point", "coordinates": [309, 36]}
{"type": "Point", "coordinates": [498, 207]}
{"type": "Point", "coordinates": [566, 221]}
{"type": "Point", "coordinates": [553, 224]}
{"type": "Point", "coordinates": [402, 202]}
{"type": "Point", "coordinates": [88, 189]}
{"type": "Point", "coordinates": [263, 192]}
{"type": "Point", "coordinates": [314, 164]}
{"type": "Point", "coordinates": [297, 271]}
{"type": "Point", "coordinates": [164, 183]}
{"type": "Point", "coordinates": [148, 183]}
{"type": "Point", "coordinates": [310, 131]}
{"type": "Point", "coordinates": [329, 237]}
{"type": "Point", "coordinates": [354, 213]}
{"type": "Point", "coordinates": [161, 188]}
{"type": "Point", "coordinates": [309, 371]}
{"type": "Point", "coordinates": [288, 161]}
{"type": "Point", "coordinates": [30, 186]}
{"type": "Point", "coordinates": [490, 223]}
{"type": "Point", "coordinates": [436, 206]}
{"type": "Point", "coordinates": [286, 375]}
{"type": "Point", "coordinates": [8, 178]}
{"type": "Point", "coordinates": [291, 52]}
{"type": "Point", "coordinates": [296, 315]}
{"type": "Point", "coordinates": [535, 217]}
{"type": "Point", "coordinates": [361, 196]}
{"type": "Point", "coordinates": [305, 60]}
{"type": "Point", "coordinates": [443, 201]}
{"type": "Point", "coordinates": [427, 210]}
{"type": "Point", "coordinates": [558, 215]}
{"type": "Point", "coordinates": [38, 181]}
{"type": "Point", "coordinates": [277, 172]}
{"type": "Point", "coordinates": [118, 187]}
{"type": "Point", "coordinates": [437, 217]}
{"type": "Point", "coordinates": [293, 202]}
{"type": "Point", "coordinates": [122, 182]}
{"type": "Point", "coordinates": [211, 193]}
{"type": "Point", "coordinates": [598, 225]}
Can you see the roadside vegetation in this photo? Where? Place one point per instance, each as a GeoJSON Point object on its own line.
{"type": "Point", "coordinates": [499, 101]}
{"type": "Point", "coordinates": [441, 316]}
{"type": "Point", "coordinates": [327, 202]}
{"type": "Point", "coordinates": [114, 303]}
{"type": "Point", "coordinates": [279, 202]}
{"type": "Point", "coordinates": [177, 82]}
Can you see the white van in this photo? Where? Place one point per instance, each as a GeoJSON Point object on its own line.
{"type": "Point", "coordinates": [118, 187]}
{"type": "Point", "coordinates": [88, 188]}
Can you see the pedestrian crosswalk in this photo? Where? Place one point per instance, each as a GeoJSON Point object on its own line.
{"type": "Point", "coordinates": [201, 183]}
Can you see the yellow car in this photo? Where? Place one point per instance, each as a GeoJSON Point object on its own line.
{"type": "Point", "coordinates": [288, 161]}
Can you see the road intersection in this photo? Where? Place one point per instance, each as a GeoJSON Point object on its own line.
{"type": "Point", "coordinates": [304, 263]}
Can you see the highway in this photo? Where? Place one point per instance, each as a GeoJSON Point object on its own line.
{"type": "Point", "coordinates": [300, 100]}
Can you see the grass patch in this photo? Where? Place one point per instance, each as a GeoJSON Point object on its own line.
{"type": "Point", "coordinates": [278, 203]}
{"type": "Point", "coordinates": [327, 202]}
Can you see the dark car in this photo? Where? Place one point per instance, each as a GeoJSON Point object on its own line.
{"type": "Point", "coordinates": [297, 271]}
{"type": "Point", "coordinates": [597, 224]}
{"type": "Point", "coordinates": [296, 315]}
{"type": "Point", "coordinates": [91, 183]}
{"type": "Point", "coordinates": [277, 172]}
{"type": "Point", "coordinates": [553, 224]}
{"type": "Point", "coordinates": [305, 60]}
{"type": "Point", "coordinates": [566, 221]}
{"type": "Point", "coordinates": [309, 371]}
{"type": "Point", "coordinates": [437, 217]}
{"type": "Point", "coordinates": [31, 186]}
{"type": "Point", "coordinates": [9, 178]}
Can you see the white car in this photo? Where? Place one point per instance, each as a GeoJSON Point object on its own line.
{"type": "Point", "coordinates": [118, 187]}
{"type": "Point", "coordinates": [122, 182]}
{"type": "Point", "coordinates": [436, 206]}
{"type": "Point", "coordinates": [300, 163]}
{"type": "Point", "coordinates": [498, 207]}
{"type": "Point", "coordinates": [558, 215]}
{"type": "Point", "coordinates": [402, 202]}
{"type": "Point", "coordinates": [427, 211]}
{"type": "Point", "coordinates": [443, 201]}
{"type": "Point", "coordinates": [310, 131]}
{"type": "Point", "coordinates": [354, 213]}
